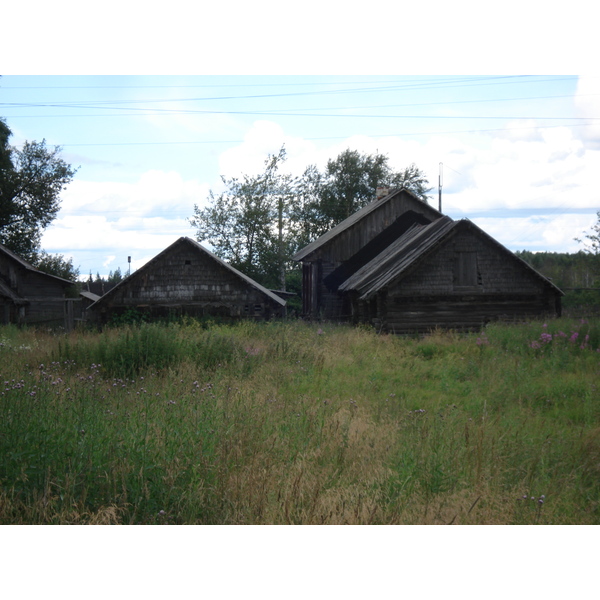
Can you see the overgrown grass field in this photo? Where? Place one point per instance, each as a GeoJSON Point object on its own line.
{"type": "Point", "coordinates": [295, 423]}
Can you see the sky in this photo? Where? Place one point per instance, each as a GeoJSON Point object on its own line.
{"type": "Point", "coordinates": [517, 153]}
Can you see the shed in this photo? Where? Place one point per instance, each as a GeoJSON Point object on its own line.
{"type": "Point", "coordinates": [186, 278]}
{"type": "Point", "coordinates": [330, 259]}
{"type": "Point", "coordinates": [447, 274]}
{"type": "Point", "coordinates": [29, 296]}
{"type": "Point", "coordinates": [421, 270]}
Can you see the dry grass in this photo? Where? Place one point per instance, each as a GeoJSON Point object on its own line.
{"type": "Point", "coordinates": [299, 424]}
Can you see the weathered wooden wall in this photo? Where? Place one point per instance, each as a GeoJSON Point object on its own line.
{"type": "Point", "coordinates": [188, 280]}
{"type": "Point", "coordinates": [41, 298]}
{"type": "Point", "coordinates": [350, 241]}
{"type": "Point", "coordinates": [325, 303]}
{"type": "Point", "coordinates": [435, 294]}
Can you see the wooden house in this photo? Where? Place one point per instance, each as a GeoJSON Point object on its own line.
{"type": "Point", "coordinates": [330, 259]}
{"type": "Point", "coordinates": [186, 278]}
{"type": "Point", "coordinates": [417, 270]}
{"type": "Point", "coordinates": [31, 297]}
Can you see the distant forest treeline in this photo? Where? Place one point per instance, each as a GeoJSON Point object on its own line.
{"type": "Point", "coordinates": [578, 275]}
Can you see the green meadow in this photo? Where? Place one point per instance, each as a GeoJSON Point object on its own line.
{"type": "Point", "coordinates": [297, 423]}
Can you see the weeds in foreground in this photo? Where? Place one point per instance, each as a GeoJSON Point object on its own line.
{"type": "Point", "coordinates": [293, 423]}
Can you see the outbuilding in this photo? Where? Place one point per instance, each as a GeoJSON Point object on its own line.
{"type": "Point", "coordinates": [404, 267]}
{"type": "Point", "coordinates": [31, 297]}
{"type": "Point", "coordinates": [188, 279]}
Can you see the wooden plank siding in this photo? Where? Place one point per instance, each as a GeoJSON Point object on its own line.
{"type": "Point", "coordinates": [465, 283]}
{"type": "Point", "coordinates": [418, 270]}
{"type": "Point", "coordinates": [29, 296]}
{"type": "Point", "coordinates": [322, 257]}
{"type": "Point", "coordinates": [188, 279]}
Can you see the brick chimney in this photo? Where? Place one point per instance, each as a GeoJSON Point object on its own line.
{"type": "Point", "coordinates": [381, 192]}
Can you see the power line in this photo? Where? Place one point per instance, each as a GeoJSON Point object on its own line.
{"type": "Point", "coordinates": [339, 137]}
{"type": "Point", "coordinates": [369, 107]}
{"type": "Point", "coordinates": [431, 85]}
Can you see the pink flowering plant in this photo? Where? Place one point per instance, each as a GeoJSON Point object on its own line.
{"type": "Point", "coordinates": [579, 338]}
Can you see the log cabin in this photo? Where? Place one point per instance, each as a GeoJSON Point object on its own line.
{"type": "Point", "coordinates": [188, 279]}
{"type": "Point", "coordinates": [31, 297]}
{"type": "Point", "coordinates": [404, 267]}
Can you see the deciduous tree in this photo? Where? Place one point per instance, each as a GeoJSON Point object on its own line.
{"type": "Point", "coordinates": [350, 181]}
{"type": "Point", "coordinates": [31, 180]}
{"type": "Point", "coordinates": [248, 224]}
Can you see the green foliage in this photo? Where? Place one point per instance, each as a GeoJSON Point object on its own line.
{"type": "Point", "coordinates": [56, 264]}
{"type": "Point", "coordinates": [248, 225]}
{"type": "Point", "coordinates": [259, 222]}
{"type": "Point", "coordinates": [296, 423]}
{"type": "Point", "coordinates": [350, 182]}
{"type": "Point", "coordinates": [576, 274]}
{"type": "Point", "coordinates": [31, 180]}
{"type": "Point", "coordinates": [592, 245]}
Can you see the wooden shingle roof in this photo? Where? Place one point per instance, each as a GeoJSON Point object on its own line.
{"type": "Point", "coordinates": [199, 248]}
{"type": "Point", "coordinates": [28, 267]}
{"type": "Point", "coordinates": [354, 219]}
{"type": "Point", "coordinates": [409, 250]}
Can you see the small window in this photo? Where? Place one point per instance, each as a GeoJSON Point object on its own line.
{"type": "Point", "coordinates": [466, 273]}
{"type": "Point", "coordinates": [258, 308]}
{"type": "Point", "coordinates": [188, 262]}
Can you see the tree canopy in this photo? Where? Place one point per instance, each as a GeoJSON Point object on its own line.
{"type": "Point", "coordinates": [56, 264]}
{"type": "Point", "coordinates": [259, 222]}
{"type": "Point", "coordinates": [349, 182]}
{"type": "Point", "coordinates": [248, 224]}
{"type": "Point", "coordinates": [31, 180]}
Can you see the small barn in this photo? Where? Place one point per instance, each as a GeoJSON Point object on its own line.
{"type": "Point", "coordinates": [31, 297]}
{"type": "Point", "coordinates": [186, 278]}
{"type": "Point", "coordinates": [421, 270]}
{"type": "Point", "coordinates": [337, 254]}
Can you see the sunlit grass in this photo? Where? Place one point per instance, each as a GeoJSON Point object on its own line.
{"type": "Point", "coordinates": [300, 423]}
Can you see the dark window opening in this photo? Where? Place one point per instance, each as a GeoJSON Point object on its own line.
{"type": "Point", "coordinates": [188, 262]}
{"type": "Point", "coordinates": [466, 272]}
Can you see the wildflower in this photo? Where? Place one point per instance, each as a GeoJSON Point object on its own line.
{"type": "Point", "coordinates": [535, 345]}
{"type": "Point", "coordinates": [574, 337]}
{"type": "Point", "coordinates": [546, 338]}
{"type": "Point", "coordinates": [320, 331]}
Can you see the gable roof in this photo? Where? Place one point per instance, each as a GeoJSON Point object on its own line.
{"type": "Point", "coordinates": [375, 247]}
{"type": "Point", "coordinates": [410, 249]}
{"type": "Point", "coordinates": [200, 248]}
{"type": "Point", "coordinates": [28, 267]}
{"type": "Point", "coordinates": [355, 218]}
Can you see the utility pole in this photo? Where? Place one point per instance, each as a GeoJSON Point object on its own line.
{"type": "Point", "coordinates": [440, 183]}
{"type": "Point", "coordinates": [280, 241]}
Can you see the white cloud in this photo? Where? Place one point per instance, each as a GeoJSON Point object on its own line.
{"type": "Point", "coordinates": [266, 138]}
{"type": "Point", "coordinates": [553, 170]}
{"type": "Point", "coordinates": [155, 192]}
{"type": "Point", "coordinates": [587, 104]}
{"type": "Point", "coordinates": [115, 218]}
{"type": "Point", "coordinates": [544, 233]}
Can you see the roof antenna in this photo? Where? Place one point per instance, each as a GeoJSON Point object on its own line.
{"type": "Point", "coordinates": [440, 183]}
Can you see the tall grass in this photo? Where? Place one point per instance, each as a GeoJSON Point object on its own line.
{"type": "Point", "coordinates": [299, 423]}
